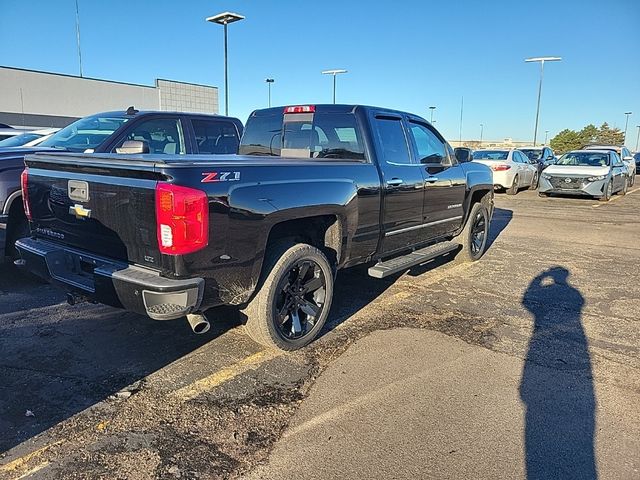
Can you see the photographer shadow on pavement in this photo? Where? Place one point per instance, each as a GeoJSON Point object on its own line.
{"type": "Point", "coordinates": [557, 384]}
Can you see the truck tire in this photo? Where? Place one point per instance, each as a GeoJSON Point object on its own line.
{"type": "Point", "coordinates": [474, 235]}
{"type": "Point", "coordinates": [513, 189]}
{"type": "Point", "coordinates": [294, 297]}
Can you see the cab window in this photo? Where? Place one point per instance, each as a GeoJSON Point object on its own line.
{"type": "Point", "coordinates": [428, 146]}
{"type": "Point", "coordinates": [163, 135]}
{"type": "Point", "coordinates": [215, 136]}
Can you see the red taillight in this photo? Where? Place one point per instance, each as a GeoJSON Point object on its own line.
{"type": "Point", "coordinates": [300, 109]}
{"type": "Point", "coordinates": [24, 184]}
{"type": "Point", "coordinates": [182, 217]}
{"type": "Point", "coordinates": [501, 167]}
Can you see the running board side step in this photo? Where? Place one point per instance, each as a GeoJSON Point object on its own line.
{"type": "Point", "coordinates": [399, 264]}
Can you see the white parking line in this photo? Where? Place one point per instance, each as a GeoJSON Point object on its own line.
{"type": "Point", "coordinates": [615, 198]}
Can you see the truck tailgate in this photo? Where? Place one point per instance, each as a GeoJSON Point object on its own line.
{"type": "Point", "coordinates": [106, 209]}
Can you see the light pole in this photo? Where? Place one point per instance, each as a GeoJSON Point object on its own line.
{"type": "Point", "coordinates": [432, 109]}
{"type": "Point", "coordinates": [626, 124]}
{"type": "Point", "coordinates": [461, 112]}
{"type": "Point", "coordinates": [269, 82]}
{"type": "Point", "coordinates": [334, 73]}
{"type": "Point", "coordinates": [78, 37]}
{"type": "Point", "coordinates": [481, 132]}
{"type": "Point", "coordinates": [541, 60]}
{"type": "Point", "coordinates": [637, 138]}
{"type": "Point", "coordinates": [225, 19]}
{"type": "Point", "coordinates": [546, 134]}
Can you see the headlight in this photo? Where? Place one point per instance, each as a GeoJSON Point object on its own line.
{"type": "Point", "coordinates": [595, 179]}
{"type": "Point", "coordinates": [546, 176]}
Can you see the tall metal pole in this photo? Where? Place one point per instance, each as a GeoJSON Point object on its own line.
{"type": "Point", "coordinates": [638, 138]}
{"type": "Point", "coordinates": [269, 81]}
{"type": "Point", "coordinates": [535, 131]}
{"type": "Point", "coordinates": [546, 135]}
{"type": "Point", "coordinates": [78, 37]}
{"type": "Point", "coordinates": [334, 88]}
{"type": "Point", "coordinates": [626, 124]}
{"type": "Point", "coordinates": [432, 109]}
{"type": "Point", "coordinates": [226, 74]}
{"type": "Point", "coordinates": [461, 111]}
{"type": "Point", "coordinates": [541, 60]}
{"type": "Point", "coordinates": [481, 132]}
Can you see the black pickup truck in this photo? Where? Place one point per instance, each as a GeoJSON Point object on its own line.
{"type": "Point", "coordinates": [315, 188]}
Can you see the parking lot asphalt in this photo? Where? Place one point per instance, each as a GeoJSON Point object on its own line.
{"type": "Point", "coordinates": [552, 310]}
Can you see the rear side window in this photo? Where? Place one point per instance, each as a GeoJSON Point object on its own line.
{"type": "Point", "coordinates": [215, 137]}
{"type": "Point", "coordinates": [304, 135]}
{"type": "Point", "coordinates": [393, 143]}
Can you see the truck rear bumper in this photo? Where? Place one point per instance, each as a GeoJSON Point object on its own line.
{"type": "Point", "coordinates": [113, 283]}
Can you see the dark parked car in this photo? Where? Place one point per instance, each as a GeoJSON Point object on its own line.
{"type": "Point", "coordinates": [316, 188]}
{"type": "Point", "coordinates": [543, 156]}
{"type": "Point", "coordinates": [155, 132]}
{"type": "Point", "coordinates": [636, 157]}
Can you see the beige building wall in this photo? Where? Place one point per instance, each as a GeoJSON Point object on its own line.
{"type": "Point", "coordinates": [41, 99]}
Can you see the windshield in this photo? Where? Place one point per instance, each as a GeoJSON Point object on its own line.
{"type": "Point", "coordinates": [88, 132]}
{"type": "Point", "coordinates": [584, 159]}
{"type": "Point", "coordinates": [533, 154]}
{"type": "Point", "coordinates": [490, 155]}
{"type": "Point", "coordinates": [19, 140]}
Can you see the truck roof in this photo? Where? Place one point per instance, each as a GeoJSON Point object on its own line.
{"type": "Point", "coordinates": [331, 108]}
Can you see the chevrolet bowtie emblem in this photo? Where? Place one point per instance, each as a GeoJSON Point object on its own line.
{"type": "Point", "coordinates": [79, 211]}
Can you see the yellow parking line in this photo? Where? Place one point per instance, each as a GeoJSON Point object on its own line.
{"type": "Point", "coordinates": [216, 379]}
{"type": "Point", "coordinates": [33, 470]}
{"type": "Point", "coordinates": [615, 198]}
{"type": "Point", "coordinates": [20, 462]}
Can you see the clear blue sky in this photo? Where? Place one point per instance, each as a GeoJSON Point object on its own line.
{"type": "Point", "coordinates": [405, 55]}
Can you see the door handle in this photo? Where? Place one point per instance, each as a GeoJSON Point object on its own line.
{"type": "Point", "coordinates": [431, 179]}
{"type": "Point", "coordinates": [394, 182]}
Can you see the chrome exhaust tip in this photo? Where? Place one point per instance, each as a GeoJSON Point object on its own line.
{"type": "Point", "coordinates": [198, 323]}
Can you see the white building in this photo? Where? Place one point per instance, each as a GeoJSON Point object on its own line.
{"type": "Point", "coordinates": [34, 99]}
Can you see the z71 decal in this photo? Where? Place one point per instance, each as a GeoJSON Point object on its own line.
{"type": "Point", "coordinates": [210, 177]}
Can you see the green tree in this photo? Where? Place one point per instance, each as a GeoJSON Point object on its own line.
{"type": "Point", "coordinates": [589, 134]}
{"type": "Point", "coordinates": [609, 136]}
{"type": "Point", "coordinates": [566, 140]}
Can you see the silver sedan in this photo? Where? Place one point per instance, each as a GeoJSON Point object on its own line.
{"type": "Point", "coordinates": [596, 173]}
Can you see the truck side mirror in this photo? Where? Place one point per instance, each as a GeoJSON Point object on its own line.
{"type": "Point", "coordinates": [133, 146]}
{"type": "Point", "coordinates": [463, 156]}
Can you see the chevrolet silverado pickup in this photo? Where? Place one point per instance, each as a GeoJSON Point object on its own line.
{"type": "Point", "coordinates": [172, 133]}
{"type": "Point", "coordinates": [314, 189]}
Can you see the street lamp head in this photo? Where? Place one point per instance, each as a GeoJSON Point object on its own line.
{"type": "Point", "coordinates": [628, 113]}
{"type": "Point", "coordinates": [225, 18]}
{"type": "Point", "coordinates": [432, 108]}
{"type": "Point", "coordinates": [543, 59]}
{"type": "Point", "coordinates": [333, 72]}
{"type": "Point", "coordinates": [269, 80]}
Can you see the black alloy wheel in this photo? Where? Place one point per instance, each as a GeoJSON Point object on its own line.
{"type": "Point", "coordinates": [300, 300]}
{"type": "Point", "coordinates": [479, 230]}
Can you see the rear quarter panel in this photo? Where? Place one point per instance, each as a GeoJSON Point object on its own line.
{"type": "Point", "coordinates": [243, 212]}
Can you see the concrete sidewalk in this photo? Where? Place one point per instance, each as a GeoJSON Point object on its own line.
{"type": "Point", "coordinates": [418, 404]}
